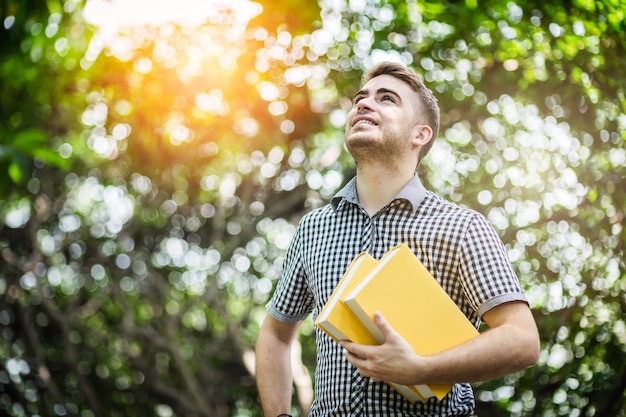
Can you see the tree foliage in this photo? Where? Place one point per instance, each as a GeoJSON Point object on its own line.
{"type": "Point", "coordinates": [152, 176]}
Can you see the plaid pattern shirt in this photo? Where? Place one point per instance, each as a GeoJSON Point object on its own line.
{"type": "Point", "coordinates": [458, 246]}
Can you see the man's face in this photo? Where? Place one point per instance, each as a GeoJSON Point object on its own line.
{"type": "Point", "coordinates": [382, 118]}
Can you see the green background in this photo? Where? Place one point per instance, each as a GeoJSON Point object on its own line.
{"type": "Point", "coordinates": [151, 176]}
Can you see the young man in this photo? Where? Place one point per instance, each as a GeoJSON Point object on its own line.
{"type": "Point", "coordinates": [390, 128]}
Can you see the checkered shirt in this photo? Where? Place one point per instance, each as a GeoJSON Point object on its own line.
{"type": "Point", "coordinates": [458, 246]}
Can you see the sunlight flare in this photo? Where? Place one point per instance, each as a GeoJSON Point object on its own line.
{"type": "Point", "coordinates": [116, 14]}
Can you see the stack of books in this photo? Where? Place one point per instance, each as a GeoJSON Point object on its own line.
{"type": "Point", "coordinates": [410, 299]}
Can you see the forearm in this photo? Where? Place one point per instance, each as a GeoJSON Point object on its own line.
{"type": "Point", "coordinates": [491, 355]}
{"type": "Point", "coordinates": [274, 381]}
{"type": "Point", "coordinates": [511, 344]}
{"type": "Point", "coordinates": [273, 374]}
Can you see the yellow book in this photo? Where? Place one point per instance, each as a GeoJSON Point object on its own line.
{"type": "Point", "coordinates": [338, 321]}
{"type": "Point", "coordinates": [414, 304]}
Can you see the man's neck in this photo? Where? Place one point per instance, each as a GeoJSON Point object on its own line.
{"type": "Point", "coordinates": [377, 187]}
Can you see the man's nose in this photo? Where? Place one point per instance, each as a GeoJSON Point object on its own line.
{"type": "Point", "coordinates": [364, 103]}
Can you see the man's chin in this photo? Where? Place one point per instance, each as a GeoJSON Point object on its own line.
{"type": "Point", "coordinates": [363, 148]}
{"type": "Point", "coordinates": [360, 139]}
{"type": "Point", "coordinates": [358, 145]}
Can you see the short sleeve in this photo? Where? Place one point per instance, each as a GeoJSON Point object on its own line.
{"type": "Point", "coordinates": [486, 272]}
{"type": "Point", "coordinates": [292, 300]}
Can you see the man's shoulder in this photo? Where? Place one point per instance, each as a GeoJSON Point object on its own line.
{"type": "Point", "coordinates": [318, 214]}
{"type": "Point", "coordinates": [436, 204]}
{"type": "Point", "coordinates": [455, 218]}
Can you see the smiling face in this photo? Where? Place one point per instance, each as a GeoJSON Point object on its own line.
{"type": "Point", "coordinates": [383, 124]}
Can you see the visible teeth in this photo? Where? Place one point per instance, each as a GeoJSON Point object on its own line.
{"type": "Point", "coordinates": [364, 121]}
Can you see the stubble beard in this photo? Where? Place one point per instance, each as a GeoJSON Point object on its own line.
{"type": "Point", "coordinates": [367, 148]}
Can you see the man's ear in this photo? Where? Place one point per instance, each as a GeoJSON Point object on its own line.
{"type": "Point", "coordinates": [422, 135]}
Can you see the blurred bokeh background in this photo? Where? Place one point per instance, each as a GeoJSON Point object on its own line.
{"type": "Point", "coordinates": [155, 157]}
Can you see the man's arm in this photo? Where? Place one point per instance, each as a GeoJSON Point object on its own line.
{"type": "Point", "coordinates": [510, 344]}
{"type": "Point", "coordinates": [273, 365]}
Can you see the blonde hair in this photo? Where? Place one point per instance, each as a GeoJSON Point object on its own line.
{"type": "Point", "coordinates": [429, 107]}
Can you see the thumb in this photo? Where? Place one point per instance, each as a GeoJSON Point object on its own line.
{"type": "Point", "coordinates": [383, 325]}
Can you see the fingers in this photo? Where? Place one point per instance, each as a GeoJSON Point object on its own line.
{"type": "Point", "coordinates": [384, 326]}
{"type": "Point", "coordinates": [380, 320]}
{"type": "Point", "coordinates": [377, 362]}
{"type": "Point", "coordinates": [356, 354]}
{"type": "Point", "coordinates": [354, 351]}
{"type": "Point", "coordinates": [362, 364]}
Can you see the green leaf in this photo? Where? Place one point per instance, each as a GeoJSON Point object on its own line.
{"type": "Point", "coordinates": [588, 5]}
{"type": "Point", "coordinates": [29, 140]}
{"type": "Point", "coordinates": [471, 4]}
{"type": "Point", "coordinates": [17, 171]}
{"type": "Point", "coordinates": [54, 6]}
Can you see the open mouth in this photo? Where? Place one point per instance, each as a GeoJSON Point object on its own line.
{"type": "Point", "coordinates": [363, 120]}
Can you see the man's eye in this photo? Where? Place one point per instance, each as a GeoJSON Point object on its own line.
{"type": "Point", "coordinates": [387, 97]}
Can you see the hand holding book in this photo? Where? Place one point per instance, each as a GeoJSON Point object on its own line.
{"type": "Point", "coordinates": [415, 307]}
{"type": "Point", "coordinates": [392, 360]}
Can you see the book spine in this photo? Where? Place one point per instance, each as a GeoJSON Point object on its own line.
{"type": "Point", "coordinates": [365, 319]}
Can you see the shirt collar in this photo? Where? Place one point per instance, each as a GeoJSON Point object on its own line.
{"type": "Point", "coordinates": [413, 192]}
